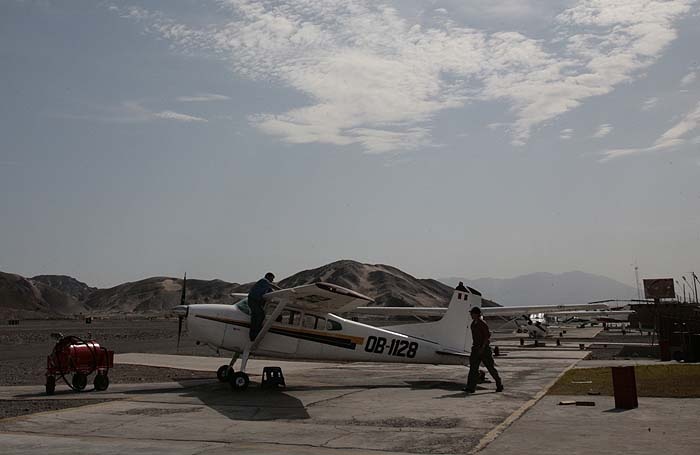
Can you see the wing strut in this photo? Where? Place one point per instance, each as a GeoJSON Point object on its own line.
{"type": "Point", "coordinates": [261, 335]}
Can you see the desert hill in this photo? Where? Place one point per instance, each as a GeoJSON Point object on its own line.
{"type": "Point", "coordinates": [158, 294]}
{"type": "Point", "coordinates": [56, 295]}
{"type": "Point", "coordinates": [550, 289]}
{"type": "Point", "coordinates": [387, 285]}
{"type": "Point", "coordinates": [22, 298]}
{"type": "Point", "coordinates": [66, 284]}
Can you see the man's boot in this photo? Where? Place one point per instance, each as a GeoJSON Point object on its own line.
{"type": "Point", "coordinates": [499, 387]}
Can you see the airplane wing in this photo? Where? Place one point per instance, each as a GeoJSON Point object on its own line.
{"type": "Point", "coordinates": [593, 313]}
{"type": "Point", "coordinates": [486, 311]}
{"type": "Point", "coordinates": [319, 297]}
{"type": "Point", "coordinates": [547, 309]}
{"type": "Point", "coordinates": [401, 310]}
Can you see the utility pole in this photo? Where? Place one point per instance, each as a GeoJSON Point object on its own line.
{"type": "Point", "coordinates": [695, 285]}
{"type": "Point", "coordinates": [686, 281]}
{"type": "Point", "coordinates": [636, 279]}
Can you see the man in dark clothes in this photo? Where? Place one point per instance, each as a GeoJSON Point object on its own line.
{"type": "Point", "coordinates": [481, 352]}
{"type": "Point", "coordinates": [256, 303]}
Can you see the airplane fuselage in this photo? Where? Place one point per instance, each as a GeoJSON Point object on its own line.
{"type": "Point", "coordinates": [303, 335]}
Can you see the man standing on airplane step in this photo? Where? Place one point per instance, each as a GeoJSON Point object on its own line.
{"type": "Point", "coordinates": [256, 303]}
{"type": "Point", "coordinates": [481, 352]}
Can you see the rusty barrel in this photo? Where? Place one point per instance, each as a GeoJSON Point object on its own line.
{"type": "Point", "coordinates": [625, 387]}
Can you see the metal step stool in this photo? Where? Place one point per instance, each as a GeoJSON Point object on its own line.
{"type": "Point", "coordinates": [272, 377]}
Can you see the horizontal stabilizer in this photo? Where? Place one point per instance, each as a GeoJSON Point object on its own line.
{"type": "Point", "coordinates": [453, 353]}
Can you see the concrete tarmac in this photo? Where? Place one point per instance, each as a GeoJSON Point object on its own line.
{"type": "Point", "coordinates": [326, 408]}
{"type": "Point", "coordinates": [658, 425]}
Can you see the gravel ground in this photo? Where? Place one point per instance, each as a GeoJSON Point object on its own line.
{"type": "Point", "coordinates": [24, 348]}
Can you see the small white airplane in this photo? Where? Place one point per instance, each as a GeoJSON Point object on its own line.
{"type": "Point", "coordinates": [597, 316]}
{"type": "Point", "coordinates": [301, 323]}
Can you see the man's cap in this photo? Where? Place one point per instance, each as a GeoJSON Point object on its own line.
{"type": "Point", "coordinates": [476, 310]}
{"type": "Point", "coordinates": [270, 276]}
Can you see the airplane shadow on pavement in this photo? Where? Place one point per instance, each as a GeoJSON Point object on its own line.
{"type": "Point", "coordinates": [270, 404]}
{"type": "Point", "coordinates": [252, 404]}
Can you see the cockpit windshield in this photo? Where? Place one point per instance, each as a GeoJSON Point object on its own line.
{"type": "Point", "coordinates": [243, 306]}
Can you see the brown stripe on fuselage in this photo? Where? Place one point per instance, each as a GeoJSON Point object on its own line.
{"type": "Point", "coordinates": [343, 341]}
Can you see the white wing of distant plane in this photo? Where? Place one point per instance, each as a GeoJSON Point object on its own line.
{"type": "Point", "coordinates": [486, 311]}
{"type": "Point", "coordinates": [547, 309]}
{"type": "Point", "coordinates": [593, 313]}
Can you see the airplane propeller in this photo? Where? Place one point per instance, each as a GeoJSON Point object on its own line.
{"type": "Point", "coordinates": [181, 310]}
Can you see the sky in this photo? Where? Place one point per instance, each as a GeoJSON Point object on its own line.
{"type": "Point", "coordinates": [228, 138]}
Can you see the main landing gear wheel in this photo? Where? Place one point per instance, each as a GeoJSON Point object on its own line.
{"type": "Point", "coordinates": [223, 373]}
{"type": "Point", "coordinates": [239, 380]}
{"type": "Point", "coordinates": [101, 382]}
{"type": "Point", "coordinates": [79, 381]}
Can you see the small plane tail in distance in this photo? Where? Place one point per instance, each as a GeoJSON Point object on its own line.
{"type": "Point", "coordinates": [452, 331]}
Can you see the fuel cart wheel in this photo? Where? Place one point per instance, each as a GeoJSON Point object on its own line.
{"type": "Point", "coordinates": [50, 385]}
{"type": "Point", "coordinates": [101, 382]}
{"type": "Point", "coordinates": [79, 381]}
{"type": "Point", "coordinates": [239, 380]}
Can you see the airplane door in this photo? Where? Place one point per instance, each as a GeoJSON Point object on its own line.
{"type": "Point", "coordinates": [235, 339]}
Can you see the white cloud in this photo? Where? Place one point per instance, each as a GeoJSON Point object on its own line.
{"type": "Point", "coordinates": [566, 134]}
{"type": "Point", "coordinates": [134, 111]}
{"type": "Point", "coordinates": [603, 130]}
{"type": "Point", "coordinates": [170, 115]}
{"type": "Point", "coordinates": [650, 103]}
{"type": "Point", "coordinates": [689, 78]}
{"type": "Point", "coordinates": [377, 79]}
{"type": "Point", "coordinates": [671, 139]}
{"type": "Point", "coordinates": [202, 97]}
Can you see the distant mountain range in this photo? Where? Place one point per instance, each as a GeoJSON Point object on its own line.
{"type": "Point", "coordinates": [57, 295]}
{"type": "Point", "coordinates": [549, 289]}
{"type": "Point", "coordinates": [23, 298]}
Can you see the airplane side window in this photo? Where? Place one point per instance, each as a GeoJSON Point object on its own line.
{"type": "Point", "coordinates": [320, 323]}
{"type": "Point", "coordinates": [333, 325]}
{"type": "Point", "coordinates": [309, 321]}
{"type": "Point", "coordinates": [289, 317]}
{"type": "Point", "coordinates": [284, 317]}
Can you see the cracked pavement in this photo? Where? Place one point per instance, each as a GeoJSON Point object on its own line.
{"type": "Point", "coordinates": [327, 408]}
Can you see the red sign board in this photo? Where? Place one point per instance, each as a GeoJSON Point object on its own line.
{"type": "Point", "coordinates": [659, 288]}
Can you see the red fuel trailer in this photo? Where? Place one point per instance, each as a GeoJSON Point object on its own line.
{"type": "Point", "coordinates": [72, 355]}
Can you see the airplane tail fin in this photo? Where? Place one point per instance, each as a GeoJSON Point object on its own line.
{"type": "Point", "coordinates": [452, 331]}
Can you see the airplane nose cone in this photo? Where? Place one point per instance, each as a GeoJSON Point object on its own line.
{"type": "Point", "coordinates": [181, 310]}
